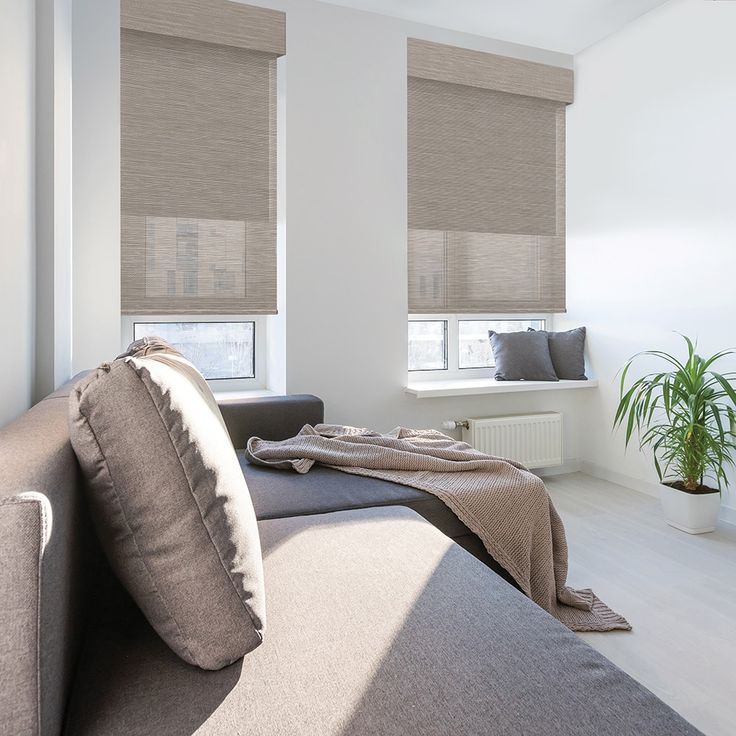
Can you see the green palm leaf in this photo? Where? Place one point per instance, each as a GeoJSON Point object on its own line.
{"type": "Point", "coordinates": [685, 415]}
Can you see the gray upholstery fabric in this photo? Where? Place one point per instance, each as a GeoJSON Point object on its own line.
{"type": "Point", "coordinates": [41, 615]}
{"type": "Point", "coordinates": [567, 350]}
{"type": "Point", "coordinates": [379, 626]}
{"type": "Point", "coordinates": [269, 417]}
{"type": "Point", "coordinates": [506, 505]}
{"type": "Point", "coordinates": [277, 494]}
{"type": "Point", "coordinates": [522, 356]}
{"type": "Point", "coordinates": [23, 519]}
{"type": "Point", "coordinates": [171, 506]}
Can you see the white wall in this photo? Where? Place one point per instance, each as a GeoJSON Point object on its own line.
{"type": "Point", "coordinates": [53, 195]}
{"type": "Point", "coordinates": [651, 219]}
{"type": "Point", "coordinates": [17, 69]}
{"type": "Point", "coordinates": [346, 183]}
{"type": "Point", "coordinates": [343, 333]}
{"type": "Point", "coordinates": [96, 182]}
{"type": "Point", "coordinates": [651, 187]}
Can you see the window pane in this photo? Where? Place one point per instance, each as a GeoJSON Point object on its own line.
{"type": "Point", "coordinates": [475, 347]}
{"type": "Point", "coordinates": [427, 345]}
{"type": "Point", "coordinates": [217, 349]}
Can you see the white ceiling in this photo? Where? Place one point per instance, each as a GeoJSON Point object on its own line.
{"type": "Point", "coordinates": [567, 26]}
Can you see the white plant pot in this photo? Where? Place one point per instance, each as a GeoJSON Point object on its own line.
{"type": "Point", "coordinates": [692, 513]}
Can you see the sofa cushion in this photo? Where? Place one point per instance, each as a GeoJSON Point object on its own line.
{"type": "Point", "coordinates": [522, 356]}
{"type": "Point", "coordinates": [378, 625]}
{"type": "Point", "coordinates": [170, 504]}
{"type": "Point", "coordinates": [567, 350]}
{"type": "Point", "coordinates": [279, 493]}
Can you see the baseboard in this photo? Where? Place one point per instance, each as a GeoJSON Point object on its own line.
{"type": "Point", "coordinates": [627, 481]}
{"type": "Point", "coordinates": [650, 488]}
{"type": "Point", "coordinates": [570, 465]}
{"type": "Point", "coordinates": [727, 514]}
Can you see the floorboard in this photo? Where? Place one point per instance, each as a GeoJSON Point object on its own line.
{"type": "Point", "coordinates": [677, 590]}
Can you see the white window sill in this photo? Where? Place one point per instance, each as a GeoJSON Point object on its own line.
{"type": "Point", "coordinates": [475, 386]}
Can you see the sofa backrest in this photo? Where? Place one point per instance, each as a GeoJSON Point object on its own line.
{"type": "Point", "coordinates": [53, 577]}
{"type": "Point", "coordinates": [43, 534]}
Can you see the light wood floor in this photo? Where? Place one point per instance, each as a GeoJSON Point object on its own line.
{"type": "Point", "coordinates": [677, 590]}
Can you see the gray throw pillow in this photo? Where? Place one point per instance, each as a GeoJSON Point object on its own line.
{"type": "Point", "coordinates": [567, 350]}
{"type": "Point", "coordinates": [170, 503]}
{"type": "Point", "coordinates": [522, 356]}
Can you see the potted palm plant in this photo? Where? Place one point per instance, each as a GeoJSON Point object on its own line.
{"type": "Point", "coordinates": [685, 416]}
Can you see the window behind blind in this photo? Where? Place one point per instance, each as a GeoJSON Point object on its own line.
{"type": "Point", "coordinates": [486, 182]}
{"type": "Point", "coordinates": [198, 157]}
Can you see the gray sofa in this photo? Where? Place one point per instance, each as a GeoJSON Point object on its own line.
{"type": "Point", "coordinates": [378, 622]}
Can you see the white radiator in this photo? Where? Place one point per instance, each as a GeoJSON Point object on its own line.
{"type": "Point", "coordinates": [534, 440]}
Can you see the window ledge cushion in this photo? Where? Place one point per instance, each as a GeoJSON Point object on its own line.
{"type": "Point", "coordinates": [476, 386]}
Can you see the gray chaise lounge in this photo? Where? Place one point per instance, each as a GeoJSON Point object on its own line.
{"type": "Point", "coordinates": [378, 623]}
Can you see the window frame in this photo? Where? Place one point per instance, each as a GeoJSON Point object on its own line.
{"type": "Point", "coordinates": [260, 344]}
{"type": "Point", "coordinates": [453, 370]}
{"type": "Point", "coordinates": [446, 342]}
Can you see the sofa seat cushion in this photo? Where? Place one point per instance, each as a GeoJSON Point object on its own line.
{"type": "Point", "coordinates": [378, 625]}
{"type": "Point", "coordinates": [278, 493]}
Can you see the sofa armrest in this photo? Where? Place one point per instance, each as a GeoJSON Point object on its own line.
{"type": "Point", "coordinates": [269, 417]}
{"type": "Point", "coordinates": [45, 569]}
{"type": "Point", "coordinates": [25, 523]}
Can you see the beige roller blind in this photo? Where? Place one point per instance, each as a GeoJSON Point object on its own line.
{"type": "Point", "coordinates": [198, 159]}
{"type": "Point", "coordinates": [486, 182]}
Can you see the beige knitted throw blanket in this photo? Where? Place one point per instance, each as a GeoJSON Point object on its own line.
{"type": "Point", "coordinates": [499, 500]}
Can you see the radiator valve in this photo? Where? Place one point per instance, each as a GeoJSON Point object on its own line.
{"type": "Point", "coordinates": [456, 424]}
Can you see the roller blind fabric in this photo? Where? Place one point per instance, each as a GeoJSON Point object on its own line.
{"type": "Point", "coordinates": [198, 158]}
{"type": "Point", "coordinates": [486, 182]}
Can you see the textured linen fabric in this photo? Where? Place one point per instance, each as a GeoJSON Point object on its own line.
{"type": "Point", "coordinates": [198, 212]}
{"type": "Point", "coordinates": [567, 351]}
{"type": "Point", "coordinates": [42, 546]}
{"type": "Point", "coordinates": [170, 503]}
{"type": "Point", "coordinates": [277, 494]}
{"type": "Point", "coordinates": [486, 182]}
{"type": "Point", "coordinates": [522, 356]}
{"type": "Point", "coordinates": [503, 503]}
{"type": "Point", "coordinates": [24, 530]}
{"type": "Point", "coordinates": [378, 626]}
{"type": "Point", "coordinates": [431, 60]}
{"type": "Point", "coordinates": [213, 21]}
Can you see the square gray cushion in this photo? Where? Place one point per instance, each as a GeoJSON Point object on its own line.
{"type": "Point", "coordinates": [567, 350]}
{"type": "Point", "coordinates": [170, 503]}
{"type": "Point", "coordinates": [522, 356]}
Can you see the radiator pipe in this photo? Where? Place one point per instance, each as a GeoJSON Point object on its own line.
{"type": "Point", "coordinates": [456, 424]}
